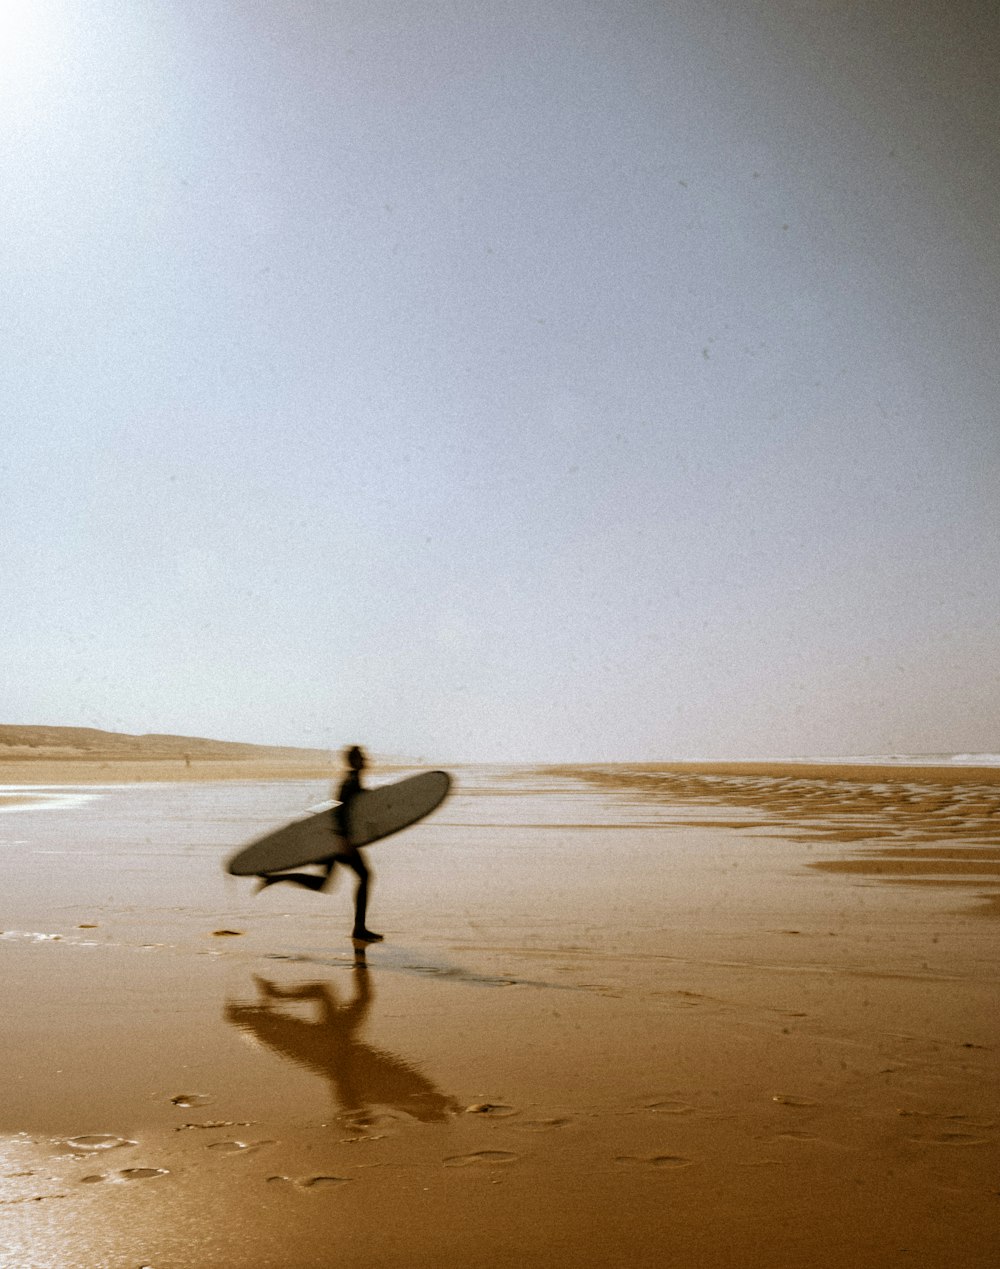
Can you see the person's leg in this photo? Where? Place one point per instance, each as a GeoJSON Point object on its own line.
{"type": "Point", "coordinates": [328, 866]}
{"type": "Point", "coordinates": [358, 865]}
{"type": "Point", "coordinates": [310, 880]}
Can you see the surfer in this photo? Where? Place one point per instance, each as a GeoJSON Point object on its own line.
{"type": "Point", "coordinates": [348, 855]}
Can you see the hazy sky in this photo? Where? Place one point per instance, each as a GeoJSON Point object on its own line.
{"type": "Point", "coordinates": [528, 379]}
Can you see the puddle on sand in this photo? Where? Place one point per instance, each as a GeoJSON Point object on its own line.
{"type": "Point", "coordinates": [97, 1141]}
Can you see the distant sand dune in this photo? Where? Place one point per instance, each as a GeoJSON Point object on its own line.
{"type": "Point", "coordinates": [89, 744]}
{"type": "Point", "coordinates": [85, 755]}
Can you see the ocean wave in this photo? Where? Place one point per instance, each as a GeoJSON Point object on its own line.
{"type": "Point", "coordinates": [37, 797]}
{"type": "Point", "coordinates": [915, 759]}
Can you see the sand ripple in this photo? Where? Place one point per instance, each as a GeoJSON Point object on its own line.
{"type": "Point", "coordinates": [926, 826]}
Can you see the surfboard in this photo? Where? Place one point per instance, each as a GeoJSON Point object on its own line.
{"type": "Point", "coordinates": [372, 815]}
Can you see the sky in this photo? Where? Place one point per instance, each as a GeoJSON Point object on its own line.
{"type": "Point", "coordinates": [533, 380]}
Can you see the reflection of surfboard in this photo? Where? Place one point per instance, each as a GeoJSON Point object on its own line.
{"type": "Point", "coordinates": [372, 815]}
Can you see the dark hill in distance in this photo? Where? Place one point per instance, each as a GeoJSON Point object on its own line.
{"type": "Point", "coordinates": [90, 744]}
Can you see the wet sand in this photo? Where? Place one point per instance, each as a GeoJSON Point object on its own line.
{"type": "Point", "coordinates": [622, 1016]}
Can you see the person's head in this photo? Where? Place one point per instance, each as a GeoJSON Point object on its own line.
{"type": "Point", "coordinates": [355, 758]}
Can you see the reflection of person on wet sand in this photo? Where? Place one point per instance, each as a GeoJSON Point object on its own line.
{"type": "Point", "coordinates": [360, 1076]}
{"type": "Point", "coordinates": [346, 854]}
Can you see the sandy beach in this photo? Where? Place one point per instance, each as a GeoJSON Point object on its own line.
{"type": "Point", "coordinates": [727, 1015]}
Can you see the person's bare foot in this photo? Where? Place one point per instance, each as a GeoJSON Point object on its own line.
{"type": "Point", "coordinates": [366, 936]}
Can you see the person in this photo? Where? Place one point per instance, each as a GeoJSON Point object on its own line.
{"type": "Point", "coordinates": [347, 854]}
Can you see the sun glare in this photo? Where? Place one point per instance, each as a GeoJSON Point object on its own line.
{"type": "Point", "coordinates": [18, 20]}
{"type": "Point", "coordinates": [31, 37]}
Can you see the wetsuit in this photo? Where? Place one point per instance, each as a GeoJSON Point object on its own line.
{"type": "Point", "coordinates": [350, 856]}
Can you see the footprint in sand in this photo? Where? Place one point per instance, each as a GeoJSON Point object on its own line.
{"type": "Point", "coordinates": [191, 1099]}
{"type": "Point", "coordinates": [666, 1161]}
{"type": "Point", "coordinates": [98, 1141]}
{"type": "Point", "coordinates": [670, 1108]}
{"type": "Point", "coordinates": [786, 1099]}
{"type": "Point", "coordinates": [951, 1139]}
{"type": "Point", "coordinates": [30, 1198]}
{"type": "Point", "coordinates": [541, 1125]}
{"type": "Point", "coordinates": [496, 1110]}
{"type": "Point", "coordinates": [142, 1174]}
{"type": "Point", "coordinates": [933, 1114]}
{"type": "Point", "coordinates": [368, 1120]}
{"type": "Point", "coordinates": [215, 1123]}
{"type": "Point", "coordinates": [320, 1182]}
{"type": "Point", "coordinates": [479, 1157]}
{"type": "Point", "coordinates": [237, 1147]}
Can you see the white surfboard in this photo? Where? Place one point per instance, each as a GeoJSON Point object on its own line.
{"type": "Point", "coordinates": [372, 815]}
